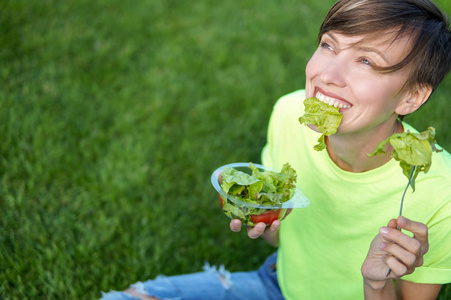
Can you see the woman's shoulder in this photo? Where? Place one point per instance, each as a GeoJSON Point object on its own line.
{"type": "Point", "coordinates": [441, 169]}
{"type": "Point", "coordinates": [292, 102]}
{"type": "Point", "coordinates": [438, 176]}
{"type": "Point", "coordinates": [441, 160]}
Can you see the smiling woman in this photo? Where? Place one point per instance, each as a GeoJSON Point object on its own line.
{"type": "Point", "coordinates": [345, 245]}
{"type": "Point", "coordinates": [425, 27]}
{"type": "Point", "coordinates": [366, 66]}
{"type": "Point", "coordinates": [345, 72]}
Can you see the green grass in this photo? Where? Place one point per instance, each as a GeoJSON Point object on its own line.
{"type": "Point", "coordinates": [115, 113]}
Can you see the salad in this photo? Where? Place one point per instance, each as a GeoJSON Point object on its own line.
{"type": "Point", "coordinates": [256, 195]}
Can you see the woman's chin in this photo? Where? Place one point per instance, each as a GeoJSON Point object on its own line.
{"type": "Point", "coordinates": [314, 128]}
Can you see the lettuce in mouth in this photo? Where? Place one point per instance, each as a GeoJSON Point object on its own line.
{"type": "Point", "coordinates": [326, 117]}
{"type": "Point", "coordinates": [411, 149]}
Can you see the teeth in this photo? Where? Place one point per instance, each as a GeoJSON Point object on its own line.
{"type": "Point", "coordinates": [330, 101]}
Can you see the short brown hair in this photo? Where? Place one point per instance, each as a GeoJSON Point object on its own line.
{"type": "Point", "coordinates": [422, 20]}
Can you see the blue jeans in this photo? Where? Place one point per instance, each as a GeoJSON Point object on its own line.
{"type": "Point", "coordinates": [212, 284]}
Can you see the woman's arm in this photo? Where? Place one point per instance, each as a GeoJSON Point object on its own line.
{"type": "Point", "coordinates": [401, 290]}
{"type": "Point", "coordinates": [412, 290]}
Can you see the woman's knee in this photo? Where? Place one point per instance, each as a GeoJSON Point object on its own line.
{"type": "Point", "coordinates": [141, 296]}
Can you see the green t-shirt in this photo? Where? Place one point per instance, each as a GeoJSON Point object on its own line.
{"type": "Point", "coordinates": [323, 246]}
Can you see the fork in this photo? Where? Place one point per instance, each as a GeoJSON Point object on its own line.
{"type": "Point", "coordinates": [402, 202]}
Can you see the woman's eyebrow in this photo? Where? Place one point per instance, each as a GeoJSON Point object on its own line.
{"type": "Point", "coordinates": [332, 36]}
{"type": "Point", "coordinates": [361, 47]}
{"type": "Point", "coordinates": [378, 52]}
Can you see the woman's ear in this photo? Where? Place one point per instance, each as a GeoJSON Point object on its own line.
{"type": "Point", "coordinates": [413, 99]}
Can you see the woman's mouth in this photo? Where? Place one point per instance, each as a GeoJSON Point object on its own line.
{"type": "Point", "coordinates": [332, 101]}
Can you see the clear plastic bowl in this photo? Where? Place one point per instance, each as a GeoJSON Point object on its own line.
{"type": "Point", "coordinates": [250, 213]}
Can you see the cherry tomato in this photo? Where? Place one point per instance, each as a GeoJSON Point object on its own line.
{"type": "Point", "coordinates": [267, 217]}
{"type": "Point", "coordinates": [221, 201]}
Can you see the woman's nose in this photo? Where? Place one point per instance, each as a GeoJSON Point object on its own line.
{"type": "Point", "coordinates": [333, 73]}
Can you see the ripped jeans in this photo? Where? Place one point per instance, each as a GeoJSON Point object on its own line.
{"type": "Point", "coordinates": [211, 284]}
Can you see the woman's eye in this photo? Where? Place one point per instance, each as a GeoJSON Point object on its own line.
{"type": "Point", "coordinates": [365, 61]}
{"type": "Point", "coordinates": [326, 46]}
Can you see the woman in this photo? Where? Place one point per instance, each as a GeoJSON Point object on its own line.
{"type": "Point", "coordinates": [376, 61]}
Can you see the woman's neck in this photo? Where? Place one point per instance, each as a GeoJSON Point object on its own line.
{"type": "Point", "coordinates": [350, 151]}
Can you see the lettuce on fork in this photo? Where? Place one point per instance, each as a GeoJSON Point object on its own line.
{"type": "Point", "coordinates": [326, 117]}
{"type": "Point", "coordinates": [411, 149]}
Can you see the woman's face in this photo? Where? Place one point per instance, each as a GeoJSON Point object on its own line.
{"type": "Point", "coordinates": [341, 73]}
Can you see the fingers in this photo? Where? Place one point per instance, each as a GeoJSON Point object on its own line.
{"type": "Point", "coordinates": [396, 267]}
{"type": "Point", "coordinates": [256, 231]}
{"type": "Point", "coordinates": [261, 228]}
{"type": "Point", "coordinates": [419, 230]}
{"type": "Point", "coordinates": [395, 236]}
{"type": "Point", "coordinates": [392, 223]}
{"type": "Point", "coordinates": [401, 256]}
{"type": "Point", "coordinates": [235, 225]}
{"type": "Point", "coordinates": [404, 252]}
{"type": "Point", "coordinates": [274, 226]}
{"type": "Point", "coordinates": [417, 244]}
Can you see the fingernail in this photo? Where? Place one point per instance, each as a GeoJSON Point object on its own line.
{"type": "Point", "coordinates": [383, 246]}
{"type": "Point", "coordinates": [260, 227]}
{"type": "Point", "coordinates": [383, 230]}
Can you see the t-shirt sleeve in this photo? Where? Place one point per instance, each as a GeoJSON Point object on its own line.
{"type": "Point", "coordinates": [437, 262]}
{"type": "Point", "coordinates": [270, 155]}
{"type": "Point", "coordinates": [268, 150]}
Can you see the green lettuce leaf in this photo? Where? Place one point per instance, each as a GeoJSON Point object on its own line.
{"type": "Point", "coordinates": [411, 149]}
{"type": "Point", "coordinates": [261, 188]}
{"type": "Point", "coordinates": [235, 182]}
{"type": "Point", "coordinates": [233, 211]}
{"type": "Point", "coordinates": [327, 118]}
{"type": "Point", "coordinates": [266, 187]}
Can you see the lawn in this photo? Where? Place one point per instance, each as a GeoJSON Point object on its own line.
{"type": "Point", "coordinates": [115, 113]}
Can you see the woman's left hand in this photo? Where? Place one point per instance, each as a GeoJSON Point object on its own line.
{"type": "Point", "coordinates": [395, 250]}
